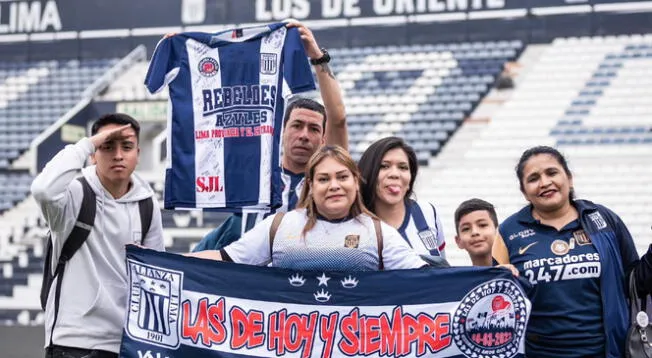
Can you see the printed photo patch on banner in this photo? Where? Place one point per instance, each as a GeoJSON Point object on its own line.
{"type": "Point", "coordinates": [153, 311]}
{"type": "Point", "coordinates": [490, 320]}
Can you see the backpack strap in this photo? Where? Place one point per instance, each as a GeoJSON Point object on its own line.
{"type": "Point", "coordinates": [77, 237]}
{"type": "Point", "coordinates": [84, 224]}
{"type": "Point", "coordinates": [146, 207]}
{"type": "Point", "coordinates": [46, 283]}
{"type": "Point", "coordinates": [379, 242]}
{"type": "Point", "coordinates": [276, 222]}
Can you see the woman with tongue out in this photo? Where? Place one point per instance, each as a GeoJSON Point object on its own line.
{"type": "Point", "coordinates": [389, 167]}
{"type": "Point", "coordinates": [578, 255]}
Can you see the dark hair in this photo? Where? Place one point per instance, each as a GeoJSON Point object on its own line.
{"type": "Point", "coordinates": [472, 205]}
{"type": "Point", "coordinates": [116, 118]}
{"type": "Point", "coordinates": [305, 103]}
{"type": "Point", "coordinates": [529, 153]}
{"type": "Point", "coordinates": [369, 165]}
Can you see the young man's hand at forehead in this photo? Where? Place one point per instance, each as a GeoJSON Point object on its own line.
{"type": "Point", "coordinates": [109, 135]}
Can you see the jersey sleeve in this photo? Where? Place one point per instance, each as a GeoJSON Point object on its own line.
{"type": "Point", "coordinates": [396, 252]}
{"type": "Point", "coordinates": [253, 247]}
{"type": "Point", "coordinates": [628, 249]}
{"type": "Point", "coordinates": [296, 68]}
{"type": "Point", "coordinates": [161, 69]}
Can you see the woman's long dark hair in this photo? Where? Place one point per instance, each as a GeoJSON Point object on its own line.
{"type": "Point", "coordinates": [369, 165]}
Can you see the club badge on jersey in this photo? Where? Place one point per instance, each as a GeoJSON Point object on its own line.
{"type": "Point", "coordinates": [430, 237]}
{"type": "Point", "coordinates": [581, 238]}
{"type": "Point", "coordinates": [227, 100]}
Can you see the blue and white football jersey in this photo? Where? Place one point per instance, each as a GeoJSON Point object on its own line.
{"type": "Point", "coordinates": [422, 229]}
{"type": "Point", "coordinates": [226, 106]}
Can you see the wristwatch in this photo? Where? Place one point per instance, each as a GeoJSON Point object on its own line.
{"type": "Point", "coordinates": [326, 58]}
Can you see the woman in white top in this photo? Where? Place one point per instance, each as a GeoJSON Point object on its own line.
{"type": "Point", "coordinates": [330, 230]}
{"type": "Point", "coordinates": [390, 168]}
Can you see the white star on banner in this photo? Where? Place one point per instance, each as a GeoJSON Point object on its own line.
{"type": "Point", "coordinates": [323, 279]}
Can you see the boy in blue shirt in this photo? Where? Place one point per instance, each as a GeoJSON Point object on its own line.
{"type": "Point", "coordinates": [476, 225]}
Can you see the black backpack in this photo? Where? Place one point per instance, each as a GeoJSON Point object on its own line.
{"type": "Point", "coordinates": [77, 237]}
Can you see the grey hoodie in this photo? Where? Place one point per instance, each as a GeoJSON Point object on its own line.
{"type": "Point", "coordinates": [93, 301]}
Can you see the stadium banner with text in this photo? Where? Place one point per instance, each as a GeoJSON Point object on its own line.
{"type": "Point", "coordinates": [186, 307]}
{"type": "Point", "coordinates": [124, 17]}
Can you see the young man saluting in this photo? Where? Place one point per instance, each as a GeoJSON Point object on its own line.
{"type": "Point", "coordinates": [88, 318]}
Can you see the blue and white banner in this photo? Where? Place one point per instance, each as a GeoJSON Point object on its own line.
{"type": "Point", "coordinates": [187, 307]}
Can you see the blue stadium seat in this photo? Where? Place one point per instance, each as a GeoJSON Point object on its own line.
{"type": "Point", "coordinates": [41, 105]}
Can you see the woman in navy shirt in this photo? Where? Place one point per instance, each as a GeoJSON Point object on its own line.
{"type": "Point", "coordinates": [578, 254]}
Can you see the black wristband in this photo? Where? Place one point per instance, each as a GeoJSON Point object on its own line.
{"type": "Point", "coordinates": [325, 58]}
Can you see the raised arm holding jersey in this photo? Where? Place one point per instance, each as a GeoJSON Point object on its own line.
{"type": "Point", "coordinates": [307, 125]}
{"type": "Point", "coordinates": [335, 130]}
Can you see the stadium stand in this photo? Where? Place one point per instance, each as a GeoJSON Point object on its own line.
{"type": "Point", "coordinates": [32, 97]}
{"type": "Point", "coordinates": [587, 96]}
{"type": "Point", "coordinates": [35, 95]}
{"type": "Point", "coordinates": [14, 187]}
{"type": "Point", "coordinates": [421, 93]}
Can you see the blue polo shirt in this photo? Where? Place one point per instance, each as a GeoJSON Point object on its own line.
{"type": "Point", "coordinates": [566, 319]}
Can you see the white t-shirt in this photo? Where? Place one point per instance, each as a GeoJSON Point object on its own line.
{"type": "Point", "coordinates": [349, 245]}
